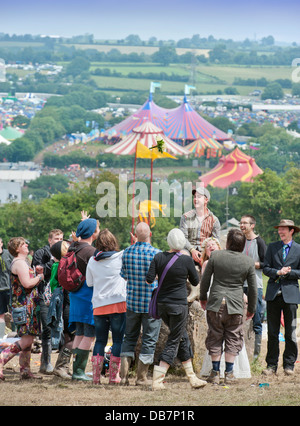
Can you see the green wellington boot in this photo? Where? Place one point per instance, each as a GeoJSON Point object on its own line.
{"type": "Point", "coordinates": [79, 365]}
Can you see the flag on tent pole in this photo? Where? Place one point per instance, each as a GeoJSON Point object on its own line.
{"type": "Point", "coordinates": [141, 151]}
{"type": "Point", "coordinates": [188, 88]}
{"type": "Point", "coordinates": [153, 86]}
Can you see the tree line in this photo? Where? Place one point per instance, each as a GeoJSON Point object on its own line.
{"type": "Point", "coordinates": [269, 198]}
{"type": "Point", "coordinates": [165, 55]}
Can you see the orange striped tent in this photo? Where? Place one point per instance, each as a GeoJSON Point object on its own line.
{"type": "Point", "coordinates": [233, 167]}
{"type": "Point", "coordinates": [202, 146]}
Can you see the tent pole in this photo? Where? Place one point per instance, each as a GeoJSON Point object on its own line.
{"type": "Point", "coordinates": [151, 181]}
{"type": "Point", "coordinates": [227, 209]}
{"type": "Point", "coordinates": [132, 213]}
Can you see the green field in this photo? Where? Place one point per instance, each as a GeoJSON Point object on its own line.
{"type": "Point", "coordinates": [229, 72]}
{"type": "Point", "coordinates": [209, 78]}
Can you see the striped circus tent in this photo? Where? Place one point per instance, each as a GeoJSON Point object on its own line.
{"type": "Point", "coordinates": [148, 112]}
{"type": "Point", "coordinates": [233, 167]}
{"type": "Point", "coordinates": [184, 123]}
{"type": "Point", "coordinates": [147, 134]}
{"type": "Point", "coordinates": [208, 146]}
{"type": "Point", "coordinates": [179, 124]}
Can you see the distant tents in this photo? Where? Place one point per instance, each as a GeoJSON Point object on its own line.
{"type": "Point", "coordinates": [233, 167]}
{"type": "Point", "coordinates": [208, 146]}
{"type": "Point", "coordinates": [10, 133]}
{"type": "Point", "coordinates": [179, 124]}
{"type": "Point", "coordinates": [147, 135]}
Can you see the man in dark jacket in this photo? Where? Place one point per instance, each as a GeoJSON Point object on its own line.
{"type": "Point", "coordinates": [5, 262]}
{"type": "Point", "coordinates": [43, 260]}
{"type": "Point", "coordinates": [282, 266]}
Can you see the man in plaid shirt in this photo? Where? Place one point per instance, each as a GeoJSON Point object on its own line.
{"type": "Point", "coordinates": [135, 265]}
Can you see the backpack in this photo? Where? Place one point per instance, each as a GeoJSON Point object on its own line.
{"type": "Point", "coordinates": [68, 274]}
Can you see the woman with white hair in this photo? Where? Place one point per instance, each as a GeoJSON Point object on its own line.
{"type": "Point", "coordinates": [173, 307]}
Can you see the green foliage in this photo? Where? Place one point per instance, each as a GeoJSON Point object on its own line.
{"type": "Point", "coordinates": [273, 91]}
{"type": "Point", "coordinates": [45, 187]}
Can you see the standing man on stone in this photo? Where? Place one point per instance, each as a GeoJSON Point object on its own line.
{"type": "Point", "coordinates": [255, 248]}
{"type": "Point", "coordinates": [197, 225]}
{"type": "Point", "coordinates": [135, 265]}
{"type": "Point", "coordinates": [43, 260]}
{"type": "Point", "coordinates": [282, 266]}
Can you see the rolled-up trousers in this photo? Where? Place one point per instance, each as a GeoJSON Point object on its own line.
{"type": "Point", "coordinates": [178, 342]}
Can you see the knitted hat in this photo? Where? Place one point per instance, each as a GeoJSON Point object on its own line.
{"type": "Point", "coordinates": [176, 239]}
{"type": "Point", "coordinates": [86, 228]}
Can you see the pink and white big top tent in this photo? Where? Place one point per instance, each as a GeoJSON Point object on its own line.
{"type": "Point", "coordinates": [147, 134]}
{"type": "Point", "coordinates": [179, 124]}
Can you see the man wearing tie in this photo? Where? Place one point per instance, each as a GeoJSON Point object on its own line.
{"type": "Point", "coordinates": [282, 266]}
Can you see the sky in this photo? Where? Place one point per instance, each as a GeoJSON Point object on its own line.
{"type": "Point", "coordinates": [163, 19]}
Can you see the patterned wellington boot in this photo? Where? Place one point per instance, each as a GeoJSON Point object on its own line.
{"type": "Point", "coordinates": [97, 362]}
{"type": "Point", "coordinates": [8, 354]}
{"type": "Point", "coordinates": [114, 368]}
{"type": "Point", "coordinates": [24, 360]}
{"type": "Point", "coordinates": [159, 374]}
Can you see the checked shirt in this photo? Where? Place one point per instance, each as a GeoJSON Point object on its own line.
{"type": "Point", "coordinates": [135, 264]}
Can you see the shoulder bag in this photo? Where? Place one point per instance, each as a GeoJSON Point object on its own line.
{"type": "Point", "coordinates": [153, 313]}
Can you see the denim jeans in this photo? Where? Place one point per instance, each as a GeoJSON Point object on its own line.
{"type": "Point", "coordinates": [103, 323]}
{"type": "Point", "coordinates": [151, 329]}
{"type": "Point", "coordinates": [257, 319]}
{"type": "Point", "coordinates": [46, 330]}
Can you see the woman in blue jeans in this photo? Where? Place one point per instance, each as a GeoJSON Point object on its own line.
{"type": "Point", "coordinates": [109, 303]}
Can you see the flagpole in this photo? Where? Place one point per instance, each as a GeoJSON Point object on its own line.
{"type": "Point", "coordinates": [151, 180]}
{"type": "Point", "coordinates": [133, 218]}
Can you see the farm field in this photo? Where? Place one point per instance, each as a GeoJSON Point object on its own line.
{"type": "Point", "coordinates": [148, 50]}
{"type": "Point", "coordinates": [209, 78]}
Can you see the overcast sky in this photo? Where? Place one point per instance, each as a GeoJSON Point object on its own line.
{"type": "Point", "coordinates": [164, 19]}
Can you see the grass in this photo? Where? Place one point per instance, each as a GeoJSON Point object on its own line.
{"type": "Point", "coordinates": [209, 78]}
{"type": "Point", "coordinates": [229, 72]}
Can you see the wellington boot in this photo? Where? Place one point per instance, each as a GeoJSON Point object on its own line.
{"type": "Point", "coordinates": [114, 368]}
{"type": "Point", "coordinates": [195, 382]}
{"type": "Point", "coordinates": [62, 365]}
{"type": "Point", "coordinates": [124, 371]}
{"type": "Point", "coordinates": [46, 367]}
{"type": "Point", "coordinates": [97, 362]}
{"type": "Point", "coordinates": [142, 370]}
{"type": "Point", "coordinates": [257, 345]}
{"type": "Point", "coordinates": [24, 361]}
{"type": "Point", "coordinates": [81, 357]}
{"type": "Point", "coordinates": [8, 354]}
{"type": "Point", "coordinates": [159, 374]}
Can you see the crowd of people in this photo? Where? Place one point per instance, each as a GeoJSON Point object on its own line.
{"type": "Point", "coordinates": [116, 287]}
